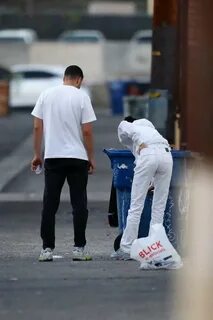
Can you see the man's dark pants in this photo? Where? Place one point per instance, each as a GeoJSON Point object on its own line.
{"type": "Point", "coordinates": [56, 172]}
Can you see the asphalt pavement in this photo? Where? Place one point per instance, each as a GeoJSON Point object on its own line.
{"type": "Point", "coordinates": [63, 289]}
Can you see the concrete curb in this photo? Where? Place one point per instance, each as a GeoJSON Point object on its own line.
{"type": "Point", "coordinates": [12, 165]}
{"type": "Point", "coordinates": [37, 197]}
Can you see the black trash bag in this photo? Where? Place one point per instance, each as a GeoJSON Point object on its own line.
{"type": "Point", "coordinates": [113, 211]}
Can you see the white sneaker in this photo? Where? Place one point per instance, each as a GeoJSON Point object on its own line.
{"type": "Point", "coordinates": [120, 255]}
{"type": "Point", "coordinates": [80, 254]}
{"type": "Point", "coordinates": [46, 255]}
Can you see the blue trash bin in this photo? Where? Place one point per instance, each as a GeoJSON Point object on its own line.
{"type": "Point", "coordinates": [120, 88]}
{"type": "Point", "coordinates": [117, 91]}
{"type": "Point", "coordinates": [122, 164]}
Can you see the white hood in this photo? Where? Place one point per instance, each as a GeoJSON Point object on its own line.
{"type": "Point", "coordinates": [144, 123]}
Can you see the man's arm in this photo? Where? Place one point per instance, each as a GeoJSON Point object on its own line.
{"type": "Point", "coordinates": [88, 143]}
{"type": "Point", "coordinates": [125, 134]}
{"type": "Point", "coordinates": [37, 143]}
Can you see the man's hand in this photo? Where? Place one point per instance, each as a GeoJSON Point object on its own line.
{"type": "Point", "coordinates": [36, 161]}
{"type": "Point", "coordinates": [91, 167]}
{"type": "Point", "coordinates": [88, 143]}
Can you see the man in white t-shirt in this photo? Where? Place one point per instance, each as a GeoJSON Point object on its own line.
{"type": "Point", "coordinates": [63, 115]}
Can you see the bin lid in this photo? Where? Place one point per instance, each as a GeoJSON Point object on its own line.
{"type": "Point", "coordinates": [116, 153]}
{"type": "Point", "coordinates": [181, 153]}
{"type": "Point", "coordinates": [124, 153]}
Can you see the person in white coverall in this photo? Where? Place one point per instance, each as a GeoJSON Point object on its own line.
{"type": "Point", "coordinates": [153, 161]}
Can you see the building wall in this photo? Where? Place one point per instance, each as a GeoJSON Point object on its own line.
{"type": "Point", "coordinates": [196, 76]}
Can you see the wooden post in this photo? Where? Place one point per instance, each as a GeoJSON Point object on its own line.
{"type": "Point", "coordinates": [164, 62]}
{"type": "Point", "coordinates": [4, 98]}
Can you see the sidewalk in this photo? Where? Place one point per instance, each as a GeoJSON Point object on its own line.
{"type": "Point", "coordinates": [15, 143]}
{"type": "Point", "coordinates": [14, 129]}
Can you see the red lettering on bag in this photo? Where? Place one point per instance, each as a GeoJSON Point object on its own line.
{"type": "Point", "coordinates": [159, 245]}
{"type": "Point", "coordinates": [149, 250]}
{"type": "Point", "coordinates": [142, 255]}
{"type": "Point", "coordinates": [153, 246]}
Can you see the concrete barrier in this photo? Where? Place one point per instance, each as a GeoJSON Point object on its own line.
{"type": "Point", "coordinates": [14, 53]}
{"type": "Point", "coordinates": [89, 56]}
{"type": "Point", "coordinates": [101, 62]}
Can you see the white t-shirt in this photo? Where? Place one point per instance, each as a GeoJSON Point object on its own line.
{"type": "Point", "coordinates": [63, 110]}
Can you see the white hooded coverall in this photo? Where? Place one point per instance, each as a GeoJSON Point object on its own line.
{"type": "Point", "coordinates": [152, 163]}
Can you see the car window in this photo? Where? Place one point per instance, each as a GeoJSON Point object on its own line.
{"type": "Point", "coordinates": [80, 39]}
{"type": "Point", "coordinates": [34, 74]}
{"type": "Point", "coordinates": [143, 39]}
{"type": "Point", "coordinates": [11, 39]}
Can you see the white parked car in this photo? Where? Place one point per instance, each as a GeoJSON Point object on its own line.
{"type": "Point", "coordinates": [79, 36]}
{"type": "Point", "coordinates": [28, 81]}
{"type": "Point", "coordinates": [140, 52]}
{"type": "Point", "coordinates": [26, 36]}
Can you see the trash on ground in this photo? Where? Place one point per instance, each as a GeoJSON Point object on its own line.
{"type": "Point", "coordinates": [155, 251]}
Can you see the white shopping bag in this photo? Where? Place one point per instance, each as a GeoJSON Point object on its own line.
{"type": "Point", "coordinates": [155, 251]}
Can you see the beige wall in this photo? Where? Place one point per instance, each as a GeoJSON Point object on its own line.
{"type": "Point", "coordinates": [100, 62]}
{"type": "Point", "coordinates": [13, 53]}
{"type": "Point", "coordinates": [150, 7]}
{"type": "Point", "coordinates": [89, 56]}
{"type": "Point", "coordinates": [112, 7]}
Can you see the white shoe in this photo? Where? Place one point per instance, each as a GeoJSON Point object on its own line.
{"type": "Point", "coordinates": [46, 255]}
{"type": "Point", "coordinates": [120, 255]}
{"type": "Point", "coordinates": [80, 254]}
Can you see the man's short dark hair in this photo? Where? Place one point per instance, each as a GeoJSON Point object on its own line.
{"type": "Point", "coordinates": [74, 72]}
